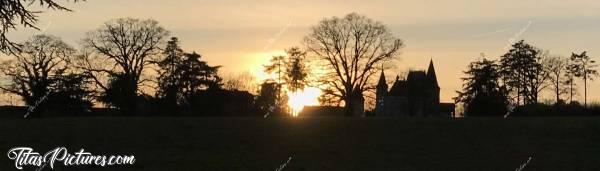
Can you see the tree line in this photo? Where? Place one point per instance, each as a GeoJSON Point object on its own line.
{"type": "Point", "coordinates": [112, 66]}
{"type": "Point", "coordinates": [115, 65]}
{"type": "Point", "coordinates": [512, 85]}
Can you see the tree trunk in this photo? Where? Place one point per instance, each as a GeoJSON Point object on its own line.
{"type": "Point", "coordinates": [129, 102]}
{"type": "Point", "coordinates": [518, 94]}
{"type": "Point", "coordinates": [571, 87]}
{"type": "Point", "coordinates": [584, 90]}
{"type": "Point", "coordinates": [557, 89]}
{"type": "Point", "coordinates": [349, 107]}
{"type": "Point", "coordinates": [355, 105]}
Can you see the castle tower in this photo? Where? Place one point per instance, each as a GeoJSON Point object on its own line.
{"type": "Point", "coordinates": [431, 75]}
{"type": "Point", "coordinates": [382, 92]}
{"type": "Point", "coordinates": [433, 92]}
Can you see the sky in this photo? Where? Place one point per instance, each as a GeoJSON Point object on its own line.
{"type": "Point", "coordinates": [243, 35]}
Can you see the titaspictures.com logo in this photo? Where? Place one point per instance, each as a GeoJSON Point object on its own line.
{"type": "Point", "coordinates": [26, 156]}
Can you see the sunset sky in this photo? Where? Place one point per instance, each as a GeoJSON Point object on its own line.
{"type": "Point", "coordinates": [243, 35]}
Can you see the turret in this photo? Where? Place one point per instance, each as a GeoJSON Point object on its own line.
{"type": "Point", "coordinates": [382, 91]}
{"type": "Point", "coordinates": [382, 84]}
{"type": "Point", "coordinates": [433, 94]}
{"type": "Point", "coordinates": [431, 75]}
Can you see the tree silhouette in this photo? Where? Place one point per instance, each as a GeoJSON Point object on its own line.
{"type": "Point", "coordinates": [170, 86]}
{"type": "Point", "coordinates": [269, 101]}
{"type": "Point", "coordinates": [196, 75]}
{"type": "Point", "coordinates": [328, 98]}
{"type": "Point", "coordinates": [583, 67]}
{"type": "Point", "coordinates": [243, 81]}
{"type": "Point", "coordinates": [125, 46]}
{"type": "Point", "coordinates": [570, 79]}
{"type": "Point", "coordinates": [14, 13]}
{"type": "Point", "coordinates": [557, 67]}
{"type": "Point", "coordinates": [278, 67]}
{"type": "Point", "coordinates": [115, 94]}
{"type": "Point", "coordinates": [182, 76]}
{"type": "Point", "coordinates": [71, 94]}
{"type": "Point", "coordinates": [523, 71]}
{"type": "Point", "coordinates": [42, 68]}
{"type": "Point", "coordinates": [295, 69]}
{"type": "Point", "coordinates": [291, 71]}
{"type": "Point", "coordinates": [349, 49]}
{"type": "Point", "coordinates": [482, 94]}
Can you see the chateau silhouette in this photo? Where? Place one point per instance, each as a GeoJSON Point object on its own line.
{"type": "Point", "coordinates": [417, 96]}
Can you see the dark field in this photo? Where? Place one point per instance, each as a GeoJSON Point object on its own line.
{"type": "Point", "coordinates": [317, 143]}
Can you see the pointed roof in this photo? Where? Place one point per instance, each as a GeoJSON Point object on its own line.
{"type": "Point", "coordinates": [382, 81]}
{"type": "Point", "coordinates": [382, 87]}
{"type": "Point", "coordinates": [431, 74]}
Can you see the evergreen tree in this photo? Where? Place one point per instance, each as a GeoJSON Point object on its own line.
{"type": "Point", "coordinates": [295, 69]}
{"type": "Point", "coordinates": [169, 81]}
{"type": "Point", "coordinates": [182, 76]}
{"type": "Point", "coordinates": [482, 94]}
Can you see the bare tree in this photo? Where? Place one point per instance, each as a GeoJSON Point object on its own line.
{"type": "Point", "coordinates": [14, 13]}
{"type": "Point", "coordinates": [542, 76]}
{"type": "Point", "coordinates": [556, 66]}
{"type": "Point", "coordinates": [124, 46]}
{"type": "Point", "coordinates": [33, 71]}
{"type": "Point", "coordinates": [350, 48]}
{"type": "Point", "coordinates": [243, 81]}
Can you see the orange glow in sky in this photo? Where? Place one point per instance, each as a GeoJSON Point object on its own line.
{"type": "Point", "coordinates": [307, 97]}
{"type": "Point", "coordinates": [296, 100]}
{"type": "Point", "coordinates": [242, 36]}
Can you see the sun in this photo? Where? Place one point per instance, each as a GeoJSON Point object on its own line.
{"type": "Point", "coordinates": [308, 97]}
{"type": "Point", "coordinates": [296, 100]}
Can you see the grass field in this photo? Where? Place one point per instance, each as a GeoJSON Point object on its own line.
{"type": "Point", "coordinates": [318, 143]}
